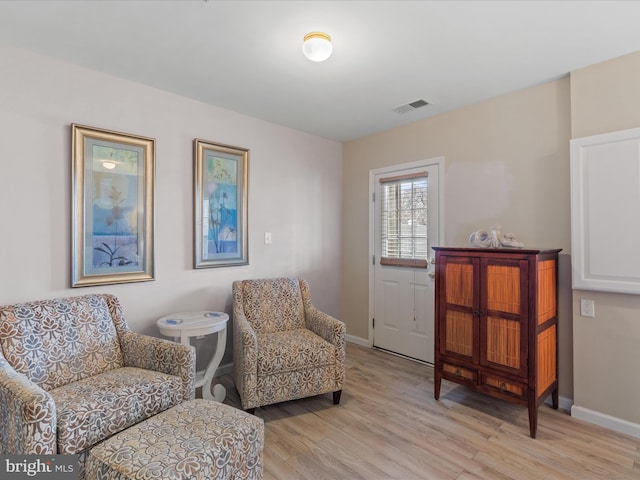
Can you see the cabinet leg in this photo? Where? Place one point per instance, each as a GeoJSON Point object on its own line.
{"type": "Point", "coordinates": [436, 385]}
{"type": "Point", "coordinates": [533, 417]}
{"type": "Point", "coordinates": [554, 399]}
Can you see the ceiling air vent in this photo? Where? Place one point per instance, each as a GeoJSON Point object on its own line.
{"type": "Point", "coordinates": [411, 106]}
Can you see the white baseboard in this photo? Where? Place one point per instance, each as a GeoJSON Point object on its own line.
{"type": "Point", "coordinates": [363, 342]}
{"type": "Point", "coordinates": [564, 403]}
{"type": "Point", "coordinates": [607, 421]}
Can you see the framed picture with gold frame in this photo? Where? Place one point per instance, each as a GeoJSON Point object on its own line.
{"type": "Point", "coordinates": [221, 177]}
{"type": "Point", "coordinates": [113, 177]}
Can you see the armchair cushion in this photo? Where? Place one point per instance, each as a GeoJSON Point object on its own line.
{"type": "Point", "coordinates": [291, 350]}
{"type": "Point", "coordinates": [95, 408]}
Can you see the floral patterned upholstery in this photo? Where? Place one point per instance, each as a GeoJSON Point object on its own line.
{"type": "Point", "coordinates": [95, 408]}
{"type": "Point", "coordinates": [283, 347]}
{"type": "Point", "coordinates": [72, 373]}
{"type": "Point", "coordinates": [199, 439]}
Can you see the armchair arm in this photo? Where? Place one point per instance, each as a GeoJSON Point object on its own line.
{"type": "Point", "coordinates": [160, 355]}
{"type": "Point", "coordinates": [333, 331]}
{"type": "Point", "coordinates": [245, 359]}
{"type": "Point", "coordinates": [27, 415]}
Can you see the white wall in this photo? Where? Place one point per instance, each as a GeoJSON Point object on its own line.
{"type": "Point", "coordinates": [605, 98]}
{"type": "Point", "coordinates": [294, 190]}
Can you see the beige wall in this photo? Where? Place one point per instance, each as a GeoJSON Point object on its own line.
{"type": "Point", "coordinates": [506, 162]}
{"type": "Point", "coordinates": [294, 191]}
{"type": "Point", "coordinates": [605, 98]}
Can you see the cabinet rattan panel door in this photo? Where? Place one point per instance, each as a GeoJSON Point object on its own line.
{"type": "Point", "coordinates": [459, 328]}
{"type": "Point", "coordinates": [503, 342]}
{"type": "Point", "coordinates": [503, 316]}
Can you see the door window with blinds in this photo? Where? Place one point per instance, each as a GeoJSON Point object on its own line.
{"type": "Point", "coordinates": [404, 235]}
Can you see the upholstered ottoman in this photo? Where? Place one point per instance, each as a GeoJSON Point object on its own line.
{"type": "Point", "coordinates": [198, 439]}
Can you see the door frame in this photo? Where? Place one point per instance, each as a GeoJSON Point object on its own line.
{"type": "Point", "coordinates": [439, 162]}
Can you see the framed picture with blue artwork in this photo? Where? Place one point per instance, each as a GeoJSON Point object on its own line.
{"type": "Point", "coordinates": [112, 207]}
{"type": "Point", "coordinates": [221, 174]}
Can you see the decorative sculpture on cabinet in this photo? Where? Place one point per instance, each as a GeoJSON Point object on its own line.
{"type": "Point", "coordinates": [494, 239]}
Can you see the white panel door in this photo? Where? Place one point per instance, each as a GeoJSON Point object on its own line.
{"type": "Point", "coordinates": [403, 295]}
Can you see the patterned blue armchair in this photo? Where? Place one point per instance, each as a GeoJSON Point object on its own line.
{"type": "Point", "coordinates": [283, 347]}
{"type": "Point", "coordinates": [72, 373]}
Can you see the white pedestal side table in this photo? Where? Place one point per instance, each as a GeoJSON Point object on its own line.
{"type": "Point", "coordinates": [196, 324]}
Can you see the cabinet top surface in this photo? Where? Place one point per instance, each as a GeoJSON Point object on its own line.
{"type": "Point", "coordinates": [498, 250]}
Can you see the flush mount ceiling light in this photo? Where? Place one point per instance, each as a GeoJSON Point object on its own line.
{"type": "Point", "coordinates": [317, 46]}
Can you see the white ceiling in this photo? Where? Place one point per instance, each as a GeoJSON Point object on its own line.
{"type": "Point", "coordinates": [246, 55]}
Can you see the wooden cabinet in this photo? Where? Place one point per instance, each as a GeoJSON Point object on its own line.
{"type": "Point", "coordinates": [496, 323]}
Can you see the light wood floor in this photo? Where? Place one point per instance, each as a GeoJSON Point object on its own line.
{"type": "Point", "coordinates": [388, 426]}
